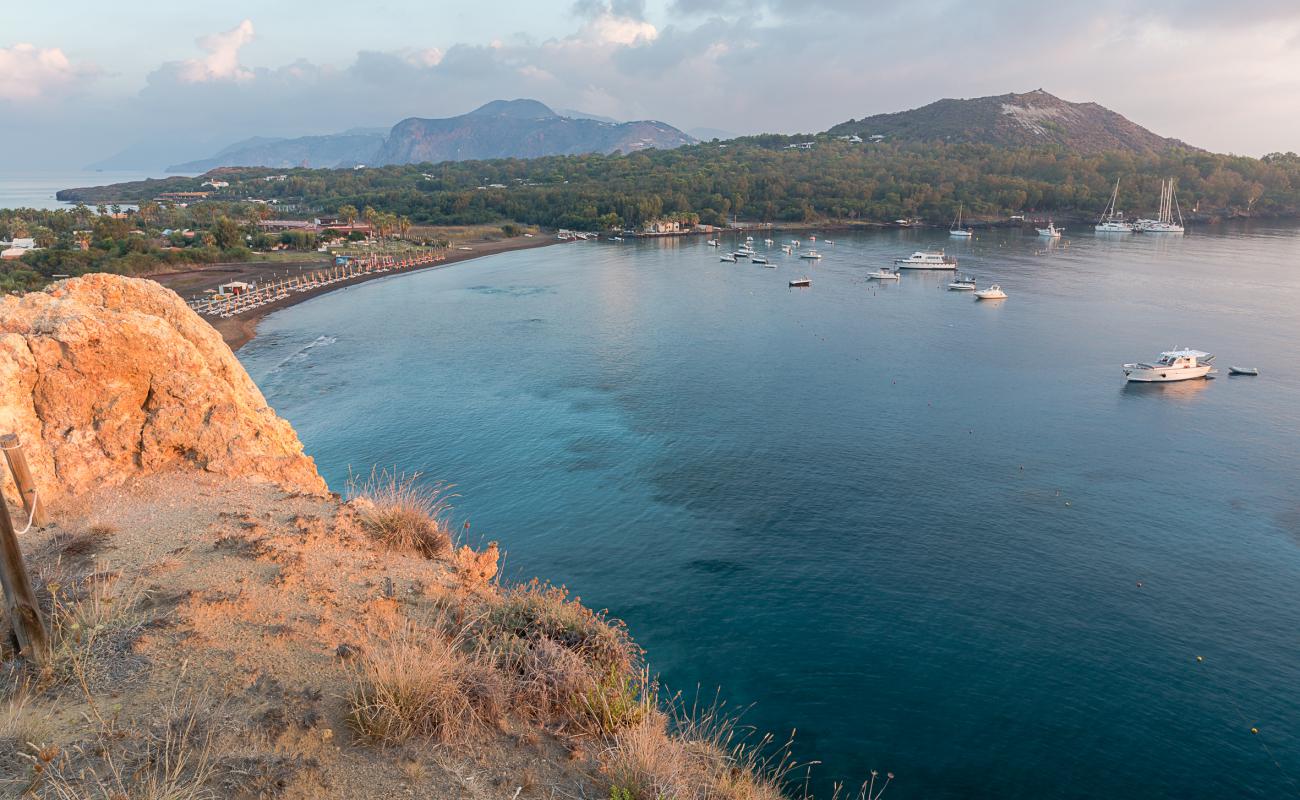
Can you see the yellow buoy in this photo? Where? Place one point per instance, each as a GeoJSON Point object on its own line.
{"type": "Point", "coordinates": [1254, 730]}
{"type": "Point", "coordinates": [1200, 658]}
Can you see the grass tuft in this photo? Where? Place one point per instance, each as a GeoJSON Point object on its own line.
{"type": "Point", "coordinates": [404, 515]}
{"type": "Point", "coordinates": [417, 685]}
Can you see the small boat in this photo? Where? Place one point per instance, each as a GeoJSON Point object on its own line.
{"type": "Point", "coordinates": [787, 249]}
{"type": "Point", "coordinates": [758, 259]}
{"type": "Point", "coordinates": [926, 260]}
{"type": "Point", "coordinates": [713, 243]}
{"type": "Point", "coordinates": [1051, 231]}
{"type": "Point", "coordinates": [768, 242]}
{"type": "Point", "coordinates": [616, 238]}
{"type": "Point", "coordinates": [812, 254]}
{"type": "Point", "coordinates": [727, 257]}
{"type": "Point", "coordinates": [994, 292]}
{"type": "Point", "coordinates": [742, 254]}
{"type": "Point", "coordinates": [1243, 370]}
{"type": "Point", "coordinates": [966, 284]}
{"type": "Point", "coordinates": [882, 275]}
{"type": "Point", "coordinates": [801, 282]}
{"type": "Point", "coordinates": [957, 230]}
{"type": "Point", "coordinates": [1173, 365]}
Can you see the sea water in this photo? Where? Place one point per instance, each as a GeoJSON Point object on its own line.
{"type": "Point", "coordinates": [940, 537]}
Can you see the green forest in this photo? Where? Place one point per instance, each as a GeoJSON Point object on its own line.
{"type": "Point", "coordinates": [760, 179]}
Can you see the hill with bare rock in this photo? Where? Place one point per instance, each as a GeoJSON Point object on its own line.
{"type": "Point", "coordinates": [221, 626]}
{"type": "Point", "coordinates": [1014, 120]}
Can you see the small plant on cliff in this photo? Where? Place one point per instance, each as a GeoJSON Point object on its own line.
{"type": "Point", "coordinates": [415, 684]}
{"type": "Point", "coordinates": [404, 514]}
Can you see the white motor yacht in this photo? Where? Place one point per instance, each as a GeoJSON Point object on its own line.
{"type": "Point", "coordinates": [1173, 365]}
{"type": "Point", "coordinates": [994, 292]}
{"type": "Point", "coordinates": [801, 282]}
{"type": "Point", "coordinates": [713, 243]}
{"type": "Point", "coordinates": [923, 259]}
{"type": "Point", "coordinates": [1051, 231]}
{"type": "Point", "coordinates": [727, 257]}
{"type": "Point", "coordinates": [882, 275]}
{"type": "Point", "coordinates": [966, 284]}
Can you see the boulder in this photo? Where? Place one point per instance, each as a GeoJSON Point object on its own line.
{"type": "Point", "coordinates": [105, 377]}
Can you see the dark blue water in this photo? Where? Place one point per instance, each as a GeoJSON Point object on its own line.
{"type": "Point", "coordinates": [907, 523]}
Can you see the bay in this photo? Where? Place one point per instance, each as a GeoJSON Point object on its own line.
{"type": "Point", "coordinates": [939, 537]}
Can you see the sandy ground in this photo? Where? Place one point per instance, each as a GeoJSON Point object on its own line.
{"type": "Point", "coordinates": [238, 331]}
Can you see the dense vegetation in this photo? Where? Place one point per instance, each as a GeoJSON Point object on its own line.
{"type": "Point", "coordinates": [759, 179]}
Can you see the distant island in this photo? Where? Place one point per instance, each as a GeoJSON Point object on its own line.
{"type": "Point", "coordinates": [500, 129]}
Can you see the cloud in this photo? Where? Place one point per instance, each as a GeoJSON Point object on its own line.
{"type": "Point", "coordinates": [28, 72]}
{"type": "Point", "coordinates": [1206, 76]}
{"type": "Point", "coordinates": [222, 59]}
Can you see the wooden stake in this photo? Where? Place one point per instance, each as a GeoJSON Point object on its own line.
{"type": "Point", "coordinates": [20, 600]}
{"type": "Point", "coordinates": [23, 478]}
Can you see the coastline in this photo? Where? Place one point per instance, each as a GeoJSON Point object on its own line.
{"type": "Point", "coordinates": [239, 330]}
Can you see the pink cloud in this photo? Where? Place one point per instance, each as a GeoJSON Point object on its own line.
{"type": "Point", "coordinates": [28, 72]}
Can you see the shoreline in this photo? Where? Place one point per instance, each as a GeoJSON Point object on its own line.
{"type": "Point", "coordinates": [239, 330]}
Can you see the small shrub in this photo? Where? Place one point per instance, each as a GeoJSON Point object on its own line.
{"type": "Point", "coordinates": [414, 685]}
{"type": "Point", "coordinates": [403, 515]}
{"type": "Point", "coordinates": [536, 610]}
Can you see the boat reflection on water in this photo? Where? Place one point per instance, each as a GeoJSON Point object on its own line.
{"type": "Point", "coordinates": [1177, 390]}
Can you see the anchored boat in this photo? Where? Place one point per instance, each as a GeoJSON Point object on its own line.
{"type": "Point", "coordinates": [1173, 365]}
{"type": "Point", "coordinates": [922, 259]}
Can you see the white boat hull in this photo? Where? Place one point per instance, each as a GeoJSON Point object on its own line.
{"type": "Point", "coordinates": [915, 265]}
{"type": "Point", "coordinates": [1113, 227]}
{"type": "Point", "coordinates": [1157, 374]}
{"type": "Point", "coordinates": [960, 234]}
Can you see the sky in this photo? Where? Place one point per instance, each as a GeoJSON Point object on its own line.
{"type": "Point", "coordinates": [170, 81]}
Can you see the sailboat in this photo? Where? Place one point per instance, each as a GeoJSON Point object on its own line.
{"type": "Point", "coordinates": [1168, 208]}
{"type": "Point", "coordinates": [956, 229]}
{"type": "Point", "coordinates": [1111, 220]}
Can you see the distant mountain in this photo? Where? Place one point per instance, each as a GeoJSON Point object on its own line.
{"type": "Point", "coordinates": [334, 150]}
{"type": "Point", "coordinates": [519, 129]}
{"type": "Point", "coordinates": [1014, 120]}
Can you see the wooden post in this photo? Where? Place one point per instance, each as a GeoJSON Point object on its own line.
{"type": "Point", "coordinates": [23, 478]}
{"type": "Point", "coordinates": [20, 600]}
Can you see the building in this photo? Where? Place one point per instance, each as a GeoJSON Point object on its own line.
{"type": "Point", "coordinates": [800, 146]}
{"type": "Point", "coordinates": [233, 289]}
{"type": "Point", "coordinates": [216, 184]}
{"type": "Point", "coordinates": [663, 226]}
{"type": "Point", "coordinates": [852, 138]}
{"type": "Point", "coordinates": [10, 253]}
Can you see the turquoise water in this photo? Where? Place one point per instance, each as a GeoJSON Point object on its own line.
{"type": "Point", "coordinates": [909, 524]}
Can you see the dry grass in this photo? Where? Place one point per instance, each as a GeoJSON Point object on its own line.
{"type": "Point", "coordinates": [93, 625]}
{"type": "Point", "coordinates": [566, 661]}
{"type": "Point", "coordinates": [171, 759]}
{"type": "Point", "coordinates": [417, 684]}
{"type": "Point", "coordinates": [402, 514]}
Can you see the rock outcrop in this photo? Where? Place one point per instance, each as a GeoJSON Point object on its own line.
{"type": "Point", "coordinates": [105, 377]}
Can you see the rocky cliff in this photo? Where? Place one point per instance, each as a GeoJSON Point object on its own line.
{"type": "Point", "coordinates": [105, 377]}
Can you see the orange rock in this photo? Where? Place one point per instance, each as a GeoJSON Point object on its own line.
{"type": "Point", "coordinates": [105, 377]}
